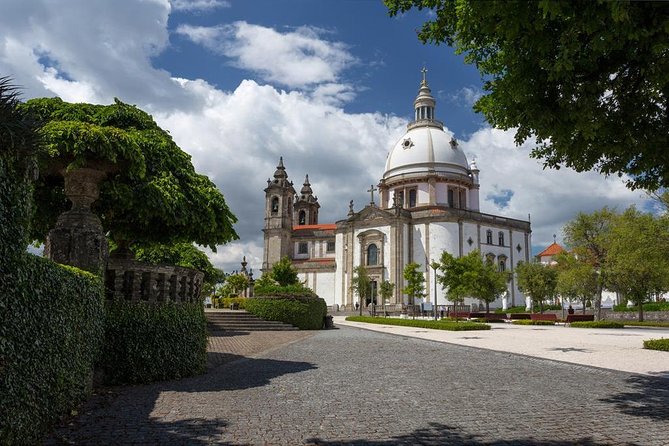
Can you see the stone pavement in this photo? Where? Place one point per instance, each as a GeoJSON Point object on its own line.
{"type": "Point", "coordinates": [617, 349]}
{"type": "Point", "coordinates": [354, 387]}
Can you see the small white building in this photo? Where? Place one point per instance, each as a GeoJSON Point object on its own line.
{"type": "Point", "coordinates": [429, 203]}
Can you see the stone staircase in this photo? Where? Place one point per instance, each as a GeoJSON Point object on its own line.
{"type": "Point", "coordinates": [240, 320]}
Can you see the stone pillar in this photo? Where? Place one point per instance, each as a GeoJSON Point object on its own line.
{"type": "Point", "coordinates": [78, 239]}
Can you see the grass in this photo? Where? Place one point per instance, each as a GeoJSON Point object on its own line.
{"type": "Point", "coordinates": [657, 344]}
{"type": "Point", "coordinates": [437, 325]}
{"type": "Point", "coordinates": [531, 322]}
{"type": "Point", "coordinates": [647, 323]}
{"type": "Point", "coordinates": [597, 324]}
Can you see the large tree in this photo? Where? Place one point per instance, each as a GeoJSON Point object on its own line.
{"type": "Point", "coordinates": [588, 79]}
{"type": "Point", "coordinates": [415, 282]}
{"type": "Point", "coordinates": [577, 279]}
{"type": "Point", "coordinates": [537, 281]}
{"type": "Point", "coordinates": [152, 195]}
{"type": "Point", "coordinates": [587, 236]}
{"type": "Point", "coordinates": [637, 260]}
{"type": "Point", "coordinates": [181, 254]}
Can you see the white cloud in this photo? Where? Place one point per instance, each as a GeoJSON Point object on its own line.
{"type": "Point", "coordinates": [553, 197]}
{"type": "Point", "coordinates": [198, 5]}
{"type": "Point", "coordinates": [465, 97]}
{"type": "Point", "coordinates": [296, 59]}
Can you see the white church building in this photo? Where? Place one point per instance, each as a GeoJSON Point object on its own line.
{"type": "Point", "coordinates": [429, 203]}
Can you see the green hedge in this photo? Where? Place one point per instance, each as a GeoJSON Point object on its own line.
{"type": "Point", "coordinates": [146, 342]}
{"type": "Point", "coordinates": [50, 335]}
{"type": "Point", "coordinates": [304, 312]}
{"type": "Point", "coordinates": [657, 344]}
{"type": "Point", "coordinates": [597, 324]}
{"type": "Point", "coordinates": [646, 323]}
{"type": "Point", "coordinates": [531, 322]}
{"type": "Point", "coordinates": [225, 302]}
{"type": "Point", "coordinates": [438, 325]}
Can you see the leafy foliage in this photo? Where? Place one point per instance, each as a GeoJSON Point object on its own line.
{"type": "Point", "coordinates": [588, 80]}
{"type": "Point", "coordinates": [577, 279]}
{"type": "Point", "coordinates": [50, 337]}
{"type": "Point", "coordinates": [303, 312]}
{"type": "Point", "coordinates": [637, 264]}
{"type": "Point", "coordinates": [537, 281]}
{"type": "Point", "coordinates": [657, 344]}
{"type": "Point", "coordinates": [386, 290]}
{"type": "Point", "coordinates": [361, 285]}
{"type": "Point", "coordinates": [153, 195]}
{"type": "Point", "coordinates": [226, 302]}
{"type": "Point", "coordinates": [437, 325]}
{"type": "Point", "coordinates": [145, 342]}
{"type": "Point", "coordinates": [284, 273]}
{"type": "Point", "coordinates": [415, 282]}
{"type": "Point", "coordinates": [180, 254]}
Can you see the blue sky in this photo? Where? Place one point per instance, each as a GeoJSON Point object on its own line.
{"type": "Point", "coordinates": [329, 85]}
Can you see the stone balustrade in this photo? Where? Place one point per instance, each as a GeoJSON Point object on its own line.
{"type": "Point", "coordinates": [131, 280]}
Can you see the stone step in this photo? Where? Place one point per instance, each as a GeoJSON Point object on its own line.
{"type": "Point", "coordinates": [240, 320]}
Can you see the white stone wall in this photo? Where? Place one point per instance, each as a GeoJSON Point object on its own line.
{"type": "Point", "coordinates": [443, 237]}
{"type": "Point", "coordinates": [423, 194]}
{"type": "Point", "coordinates": [339, 273]}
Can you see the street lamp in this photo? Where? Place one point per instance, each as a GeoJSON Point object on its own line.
{"type": "Point", "coordinates": [435, 266]}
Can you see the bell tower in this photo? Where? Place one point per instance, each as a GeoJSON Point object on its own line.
{"type": "Point", "coordinates": [278, 217]}
{"type": "Point", "coordinates": [306, 206]}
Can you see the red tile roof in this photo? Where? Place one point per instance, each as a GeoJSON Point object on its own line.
{"type": "Point", "coordinates": [553, 250]}
{"type": "Point", "coordinates": [325, 227]}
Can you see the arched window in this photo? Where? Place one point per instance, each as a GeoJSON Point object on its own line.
{"type": "Point", "coordinates": [275, 205]}
{"type": "Point", "coordinates": [372, 254]}
{"type": "Point", "coordinates": [488, 237]}
{"type": "Point", "coordinates": [302, 218]}
{"type": "Point", "coordinates": [500, 238]}
{"type": "Point", "coordinates": [412, 198]}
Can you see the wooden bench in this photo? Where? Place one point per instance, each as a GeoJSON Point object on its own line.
{"type": "Point", "coordinates": [459, 314]}
{"type": "Point", "coordinates": [516, 316]}
{"type": "Point", "coordinates": [543, 317]}
{"type": "Point", "coordinates": [579, 318]}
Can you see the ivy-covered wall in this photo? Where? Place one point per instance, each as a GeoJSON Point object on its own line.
{"type": "Point", "coordinates": [52, 325]}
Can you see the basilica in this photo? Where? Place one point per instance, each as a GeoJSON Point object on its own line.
{"type": "Point", "coordinates": [428, 203]}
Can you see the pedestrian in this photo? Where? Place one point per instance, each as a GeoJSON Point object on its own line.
{"type": "Point", "coordinates": [570, 310]}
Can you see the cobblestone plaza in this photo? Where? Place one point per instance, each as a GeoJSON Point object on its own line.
{"type": "Point", "coordinates": [352, 387]}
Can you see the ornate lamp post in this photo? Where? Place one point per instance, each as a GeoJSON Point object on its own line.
{"type": "Point", "coordinates": [435, 267]}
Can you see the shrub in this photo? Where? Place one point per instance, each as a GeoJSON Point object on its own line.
{"type": "Point", "coordinates": [147, 342]}
{"type": "Point", "coordinates": [646, 323]}
{"type": "Point", "coordinates": [657, 344]}
{"type": "Point", "coordinates": [50, 337]}
{"type": "Point", "coordinates": [484, 320]}
{"type": "Point", "coordinates": [304, 312]}
{"type": "Point", "coordinates": [598, 324]}
{"type": "Point", "coordinates": [647, 306]}
{"type": "Point", "coordinates": [531, 322]}
{"type": "Point", "coordinates": [438, 325]}
{"type": "Point", "coordinates": [226, 302]}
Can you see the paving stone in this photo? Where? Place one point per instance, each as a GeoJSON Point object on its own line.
{"type": "Point", "coordinates": [356, 387]}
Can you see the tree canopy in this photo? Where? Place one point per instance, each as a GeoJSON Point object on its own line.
{"type": "Point", "coordinates": [361, 285]}
{"type": "Point", "coordinates": [415, 282]}
{"type": "Point", "coordinates": [153, 194]}
{"type": "Point", "coordinates": [577, 278]}
{"type": "Point", "coordinates": [181, 254]}
{"type": "Point", "coordinates": [588, 79]}
{"type": "Point", "coordinates": [538, 281]}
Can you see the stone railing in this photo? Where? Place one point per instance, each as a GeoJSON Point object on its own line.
{"type": "Point", "coordinates": [138, 281]}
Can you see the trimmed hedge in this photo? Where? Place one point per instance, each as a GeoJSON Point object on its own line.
{"type": "Point", "coordinates": [657, 344]}
{"type": "Point", "coordinates": [146, 342]}
{"type": "Point", "coordinates": [484, 320]}
{"type": "Point", "coordinates": [438, 325]}
{"type": "Point", "coordinates": [225, 302]}
{"type": "Point", "coordinates": [531, 322]}
{"type": "Point", "coordinates": [646, 324]}
{"type": "Point", "coordinates": [50, 336]}
{"type": "Point", "coordinates": [597, 324]}
{"type": "Point", "coordinates": [304, 312]}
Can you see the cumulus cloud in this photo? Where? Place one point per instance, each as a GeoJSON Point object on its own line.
{"type": "Point", "coordinates": [93, 51]}
{"type": "Point", "coordinates": [552, 197]}
{"type": "Point", "coordinates": [296, 59]}
{"type": "Point", "coordinates": [198, 5]}
{"type": "Point", "coordinates": [464, 97]}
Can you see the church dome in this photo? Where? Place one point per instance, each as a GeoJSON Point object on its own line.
{"type": "Point", "coordinates": [425, 148]}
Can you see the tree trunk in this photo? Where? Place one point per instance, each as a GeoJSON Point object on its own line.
{"type": "Point", "coordinates": [487, 308]}
{"type": "Point", "coordinates": [641, 311]}
{"type": "Point", "coordinates": [598, 303]}
{"type": "Point", "coordinates": [584, 301]}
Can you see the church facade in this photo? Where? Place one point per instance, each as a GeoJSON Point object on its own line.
{"type": "Point", "coordinates": [428, 203]}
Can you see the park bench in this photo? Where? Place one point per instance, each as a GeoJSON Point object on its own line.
{"type": "Point", "coordinates": [459, 314]}
{"type": "Point", "coordinates": [516, 316]}
{"type": "Point", "coordinates": [579, 318]}
{"type": "Point", "coordinates": [488, 316]}
{"type": "Point", "coordinates": [543, 317]}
